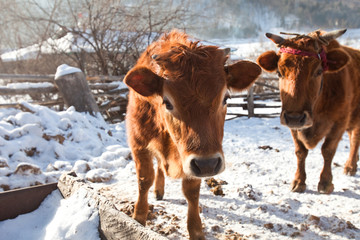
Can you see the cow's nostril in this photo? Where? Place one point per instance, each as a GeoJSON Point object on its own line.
{"type": "Point", "coordinates": [218, 165]}
{"type": "Point", "coordinates": [303, 118]}
{"type": "Point", "coordinates": [195, 167]}
{"type": "Point", "coordinates": [286, 119]}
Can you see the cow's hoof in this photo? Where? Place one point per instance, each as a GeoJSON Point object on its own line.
{"type": "Point", "coordinates": [297, 186]}
{"type": "Point", "coordinates": [158, 195]}
{"type": "Point", "coordinates": [349, 171]}
{"type": "Point", "coordinates": [198, 237]}
{"type": "Point", "coordinates": [325, 188]}
{"type": "Point", "coordinates": [140, 216]}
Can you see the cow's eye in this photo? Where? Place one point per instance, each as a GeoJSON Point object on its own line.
{"type": "Point", "coordinates": [318, 72]}
{"type": "Point", "coordinates": [278, 74]}
{"type": "Point", "coordinates": [167, 104]}
{"type": "Point", "coordinates": [226, 97]}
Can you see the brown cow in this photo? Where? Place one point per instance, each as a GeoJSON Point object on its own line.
{"type": "Point", "coordinates": [176, 113]}
{"type": "Point", "coordinates": [320, 94]}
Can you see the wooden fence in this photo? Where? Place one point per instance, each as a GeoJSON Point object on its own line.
{"type": "Point", "coordinates": [40, 89]}
{"type": "Point", "coordinates": [111, 95]}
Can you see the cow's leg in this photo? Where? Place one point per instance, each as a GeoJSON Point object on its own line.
{"type": "Point", "coordinates": [328, 150]}
{"type": "Point", "coordinates": [301, 152]}
{"type": "Point", "coordinates": [351, 163]}
{"type": "Point", "coordinates": [159, 183]}
{"type": "Point", "coordinates": [191, 190]}
{"type": "Point", "coordinates": [145, 175]}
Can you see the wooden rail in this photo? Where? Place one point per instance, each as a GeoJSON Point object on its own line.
{"type": "Point", "coordinates": [112, 100]}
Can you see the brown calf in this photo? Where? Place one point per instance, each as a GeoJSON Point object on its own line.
{"type": "Point", "coordinates": [320, 94]}
{"type": "Point", "coordinates": [176, 113]}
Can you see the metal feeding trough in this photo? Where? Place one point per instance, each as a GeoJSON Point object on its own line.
{"type": "Point", "coordinates": [24, 200]}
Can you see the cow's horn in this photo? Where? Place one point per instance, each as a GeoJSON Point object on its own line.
{"type": "Point", "coordinates": [333, 34]}
{"type": "Point", "coordinates": [275, 38]}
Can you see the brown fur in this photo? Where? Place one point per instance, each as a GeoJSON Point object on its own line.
{"type": "Point", "coordinates": [177, 73]}
{"type": "Point", "coordinates": [330, 110]}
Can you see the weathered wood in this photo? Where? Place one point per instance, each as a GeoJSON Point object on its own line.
{"type": "Point", "coordinates": [24, 200]}
{"type": "Point", "coordinates": [103, 86]}
{"type": "Point", "coordinates": [270, 95]}
{"type": "Point", "coordinates": [269, 115]}
{"type": "Point", "coordinates": [256, 105]}
{"type": "Point", "coordinates": [250, 102]}
{"type": "Point", "coordinates": [266, 85]}
{"type": "Point", "coordinates": [27, 78]}
{"type": "Point", "coordinates": [50, 78]}
{"type": "Point", "coordinates": [76, 92]}
{"type": "Point", "coordinates": [23, 91]}
{"type": "Point", "coordinates": [102, 78]}
{"type": "Point", "coordinates": [114, 224]}
{"type": "Point", "coordinates": [42, 103]}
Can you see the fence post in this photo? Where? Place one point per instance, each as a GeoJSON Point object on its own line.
{"type": "Point", "coordinates": [75, 90]}
{"type": "Point", "coordinates": [250, 102]}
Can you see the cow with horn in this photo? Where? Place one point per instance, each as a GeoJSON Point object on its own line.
{"type": "Point", "coordinates": [319, 82]}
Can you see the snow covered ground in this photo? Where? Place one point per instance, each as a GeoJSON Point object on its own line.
{"type": "Point", "coordinates": [38, 145]}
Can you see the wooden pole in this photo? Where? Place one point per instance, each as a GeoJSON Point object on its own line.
{"type": "Point", "coordinates": [76, 92]}
{"type": "Point", "coordinates": [250, 102]}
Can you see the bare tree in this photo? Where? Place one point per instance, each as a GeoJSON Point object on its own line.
{"type": "Point", "coordinates": [104, 37]}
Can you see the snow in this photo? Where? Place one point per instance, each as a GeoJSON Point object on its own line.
{"type": "Point", "coordinates": [51, 220]}
{"type": "Point", "coordinates": [257, 202]}
{"type": "Point", "coordinates": [65, 69]}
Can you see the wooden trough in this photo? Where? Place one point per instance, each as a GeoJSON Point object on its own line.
{"type": "Point", "coordinates": [113, 224]}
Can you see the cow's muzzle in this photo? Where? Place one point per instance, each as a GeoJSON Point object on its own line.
{"type": "Point", "coordinates": [295, 120]}
{"type": "Point", "coordinates": [198, 166]}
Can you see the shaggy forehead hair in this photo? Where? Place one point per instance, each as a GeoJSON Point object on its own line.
{"type": "Point", "coordinates": [192, 69]}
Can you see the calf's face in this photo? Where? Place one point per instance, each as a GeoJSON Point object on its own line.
{"type": "Point", "coordinates": [190, 89]}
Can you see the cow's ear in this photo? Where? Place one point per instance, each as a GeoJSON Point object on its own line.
{"type": "Point", "coordinates": [144, 81]}
{"type": "Point", "coordinates": [242, 74]}
{"type": "Point", "coordinates": [337, 59]}
{"type": "Point", "coordinates": [268, 61]}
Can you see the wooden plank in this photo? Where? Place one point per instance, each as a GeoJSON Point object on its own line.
{"type": "Point", "coordinates": [43, 103]}
{"type": "Point", "coordinates": [269, 115]}
{"type": "Point", "coordinates": [27, 78]}
{"type": "Point", "coordinates": [102, 78]}
{"type": "Point", "coordinates": [23, 91]}
{"type": "Point", "coordinates": [266, 85]}
{"type": "Point", "coordinates": [256, 105]}
{"type": "Point", "coordinates": [103, 86]}
{"type": "Point", "coordinates": [24, 200]}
